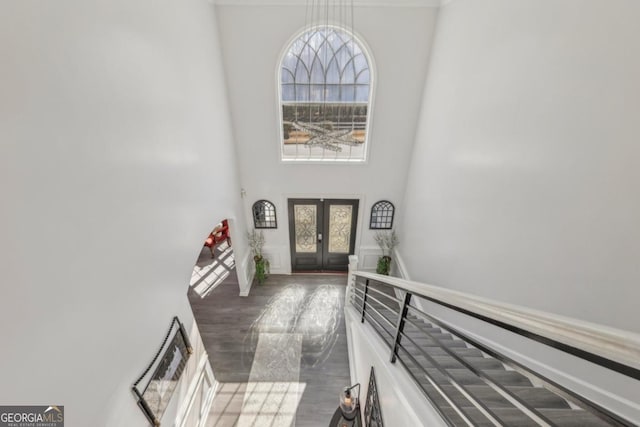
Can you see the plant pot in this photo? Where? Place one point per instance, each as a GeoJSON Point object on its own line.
{"type": "Point", "coordinates": [384, 265]}
{"type": "Point", "coordinates": [262, 266]}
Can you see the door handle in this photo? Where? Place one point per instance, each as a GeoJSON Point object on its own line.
{"type": "Point", "coordinates": [319, 237]}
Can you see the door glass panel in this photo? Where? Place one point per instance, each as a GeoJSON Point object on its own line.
{"type": "Point", "coordinates": [340, 228]}
{"type": "Point", "coordinates": [305, 228]}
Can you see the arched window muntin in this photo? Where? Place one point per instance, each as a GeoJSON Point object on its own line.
{"type": "Point", "coordinates": [264, 214]}
{"type": "Point", "coordinates": [345, 65]}
{"type": "Point", "coordinates": [382, 213]}
{"type": "Point", "coordinates": [326, 64]}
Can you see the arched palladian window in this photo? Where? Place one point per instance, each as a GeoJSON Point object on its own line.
{"type": "Point", "coordinates": [325, 94]}
{"type": "Point", "coordinates": [264, 214]}
{"type": "Point", "coordinates": [382, 215]}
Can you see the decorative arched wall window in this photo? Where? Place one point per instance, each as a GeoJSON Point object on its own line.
{"type": "Point", "coordinates": [382, 215]}
{"type": "Point", "coordinates": [325, 97]}
{"type": "Point", "coordinates": [264, 214]}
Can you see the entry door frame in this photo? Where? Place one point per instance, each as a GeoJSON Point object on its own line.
{"type": "Point", "coordinates": [358, 228]}
{"type": "Point", "coordinates": [329, 259]}
{"type": "Point", "coordinates": [312, 259]}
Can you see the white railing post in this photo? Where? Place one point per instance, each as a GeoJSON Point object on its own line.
{"type": "Point", "coordinates": [353, 266]}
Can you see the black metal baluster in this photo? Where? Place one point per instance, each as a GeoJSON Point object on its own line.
{"type": "Point", "coordinates": [402, 314]}
{"type": "Point", "coordinates": [364, 299]}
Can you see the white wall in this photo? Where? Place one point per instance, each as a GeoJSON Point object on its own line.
{"type": "Point", "coordinates": [524, 180]}
{"type": "Point", "coordinates": [253, 38]}
{"type": "Point", "coordinates": [116, 159]}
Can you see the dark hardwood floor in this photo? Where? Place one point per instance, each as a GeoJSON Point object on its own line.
{"type": "Point", "coordinates": [280, 354]}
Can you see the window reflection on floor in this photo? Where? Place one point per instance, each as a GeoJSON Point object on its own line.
{"type": "Point", "coordinates": [296, 328]}
{"type": "Point", "coordinates": [313, 315]}
{"type": "Point", "coordinates": [273, 392]}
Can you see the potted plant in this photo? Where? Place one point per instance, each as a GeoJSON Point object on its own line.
{"type": "Point", "coordinates": [387, 240]}
{"type": "Point", "coordinates": [256, 242]}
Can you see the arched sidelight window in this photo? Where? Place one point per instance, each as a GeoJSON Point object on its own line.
{"type": "Point", "coordinates": [382, 215]}
{"type": "Point", "coordinates": [325, 97]}
{"type": "Point", "coordinates": [264, 214]}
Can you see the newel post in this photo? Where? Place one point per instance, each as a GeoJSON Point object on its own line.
{"type": "Point", "coordinates": [351, 278]}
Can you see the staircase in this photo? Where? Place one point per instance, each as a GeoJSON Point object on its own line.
{"type": "Point", "coordinates": [467, 383]}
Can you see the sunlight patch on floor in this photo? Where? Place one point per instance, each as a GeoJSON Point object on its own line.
{"type": "Point", "coordinates": [205, 278]}
{"type": "Point", "coordinates": [273, 392]}
{"type": "Point", "coordinates": [229, 408]}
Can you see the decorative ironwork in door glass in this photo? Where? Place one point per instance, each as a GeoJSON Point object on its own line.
{"type": "Point", "coordinates": [305, 228]}
{"type": "Point", "coordinates": [340, 228]}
